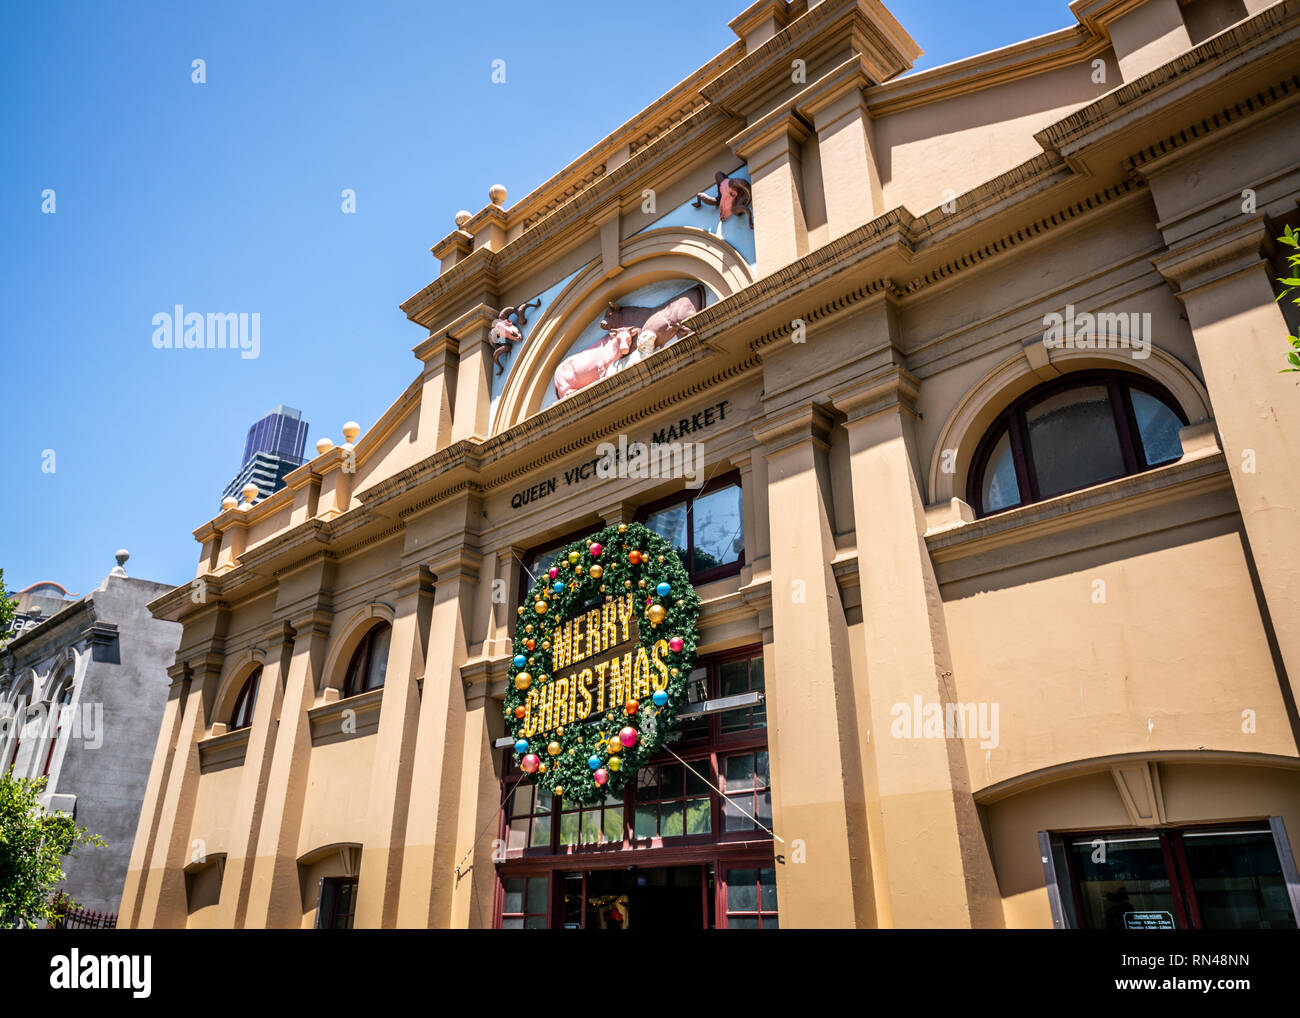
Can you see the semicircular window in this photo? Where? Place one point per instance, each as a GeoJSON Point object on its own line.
{"type": "Point", "coordinates": [1087, 428]}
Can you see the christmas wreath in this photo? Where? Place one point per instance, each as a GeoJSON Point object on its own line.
{"type": "Point", "coordinates": [603, 647]}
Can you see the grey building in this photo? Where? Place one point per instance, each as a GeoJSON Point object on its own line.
{"type": "Point", "coordinates": [273, 448]}
{"type": "Point", "coordinates": [81, 700]}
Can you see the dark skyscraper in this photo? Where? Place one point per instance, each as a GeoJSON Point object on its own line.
{"type": "Point", "coordinates": [274, 447]}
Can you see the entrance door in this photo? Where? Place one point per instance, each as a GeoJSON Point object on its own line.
{"type": "Point", "coordinates": [640, 898]}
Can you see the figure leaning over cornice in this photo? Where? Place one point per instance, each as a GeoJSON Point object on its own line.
{"type": "Point", "coordinates": [734, 198]}
{"type": "Point", "coordinates": [505, 333]}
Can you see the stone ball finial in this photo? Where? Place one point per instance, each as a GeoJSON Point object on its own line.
{"type": "Point", "coordinates": [463, 217]}
{"type": "Point", "coordinates": [350, 431]}
{"type": "Point", "coordinates": [249, 491]}
{"type": "Point", "coordinates": [324, 445]}
{"type": "Point", "coordinates": [497, 193]}
{"type": "Point", "coordinates": [121, 555]}
{"type": "Point", "coordinates": [229, 502]}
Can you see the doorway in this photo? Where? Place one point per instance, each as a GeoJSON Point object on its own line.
{"type": "Point", "coordinates": [638, 898]}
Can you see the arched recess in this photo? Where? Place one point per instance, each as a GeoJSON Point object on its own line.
{"type": "Point", "coordinates": [234, 682]}
{"type": "Point", "coordinates": [349, 638]}
{"type": "Point", "coordinates": [647, 257]}
{"type": "Point", "coordinates": [973, 415]}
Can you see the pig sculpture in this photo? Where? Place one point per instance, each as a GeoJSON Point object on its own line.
{"type": "Point", "coordinates": [592, 364]}
{"type": "Point", "coordinates": [735, 198]}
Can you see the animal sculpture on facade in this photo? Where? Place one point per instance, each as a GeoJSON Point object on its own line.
{"type": "Point", "coordinates": [650, 328]}
{"type": "Point", "coordinates": [505, 333]}
{"type": "Point", "coordinates": [592, 364]}
{"type": "Point", "coordinates": [735, 198]}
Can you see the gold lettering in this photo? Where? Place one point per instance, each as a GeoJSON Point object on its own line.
{"type": "Point", "coordinates": [561, 701]}
{"type": "Point", "coordinates": [530, 722]}
{"type": "Point", "coordinates": [641, 688]}
{"type": "Point", "coordinates": [546, 722]}
{"type": "Point", "coordinates": [615, 682]}
{"type": "Point", "coordinates": [579, 651]}
{"type": "Point", "coordinates": [584, 708]}
{"type": "Point", "coordinates": [562, 646]}
{"type": "Point", "coordinates": [600, 688]}
{"type": "Point", "coordinates": [595, 644]}
{"type": "Point", "coordinates": [609, 625]}
{"type": "Point", "coordinates": [660, 680]}
{"type": "Point", "coordinates": [626, 611]}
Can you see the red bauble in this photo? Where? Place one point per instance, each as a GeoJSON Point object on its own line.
{"type": "Point", "coordinates": [631, 707]}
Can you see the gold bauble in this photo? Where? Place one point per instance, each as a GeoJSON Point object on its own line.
{"type": "Point", "coordinates": [571, 753]}
{"type": "Point", "coordinates": [656, 613]}
{"type": "Point", "coordinates": [627, 584]}
{"type": "Point", "coordinates": [573, 558]}
{"type": "Point", "coordinates": [519, 610]}
{"type": "Point", "coordinates": [622, 528]}
{"type": "Point", "coordinates": [559, 791]}
{"type": "Point", "coordinates": [615, 746]}
{"type": "Point", "coordinates": [539, 607]}
{"type": "Point", "coordinates": [661, 560]}
{"type": "Point", "coordinates": [596, 572]}
{"type": "Point", "coordinates": [641, 584]}
{"type": "Point", "coordinates": [602, 588]}
{"type": "Point", "coordinates": [615, 764]}
{"type": "Point", "coordinates": [541, 768]}
{"type": "Point", "coordinates": [528, 628]}
{"type": "Point", "coordinates": [553, 748]}
{"type": "Point", "coordinates": [546, 645]}
{"type": "Point", "coordinates": [523, 680]}
{"type": "Point", "coordinates": [560, 731]}
{"type": "Point", "coordinates": [675, 673]}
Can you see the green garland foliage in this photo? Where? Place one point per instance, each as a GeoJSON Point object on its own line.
{"type": "Point", "coordinates": [569, 773]}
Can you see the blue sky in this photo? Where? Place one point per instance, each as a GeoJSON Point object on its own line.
{"type": "Point", "coordinates": [225, 196]}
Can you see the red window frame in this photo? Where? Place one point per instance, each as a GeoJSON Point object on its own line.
{"type": "Point", "coordinates": [690, 497]}
{"type": "Point", "coordinates": [1118, 385]}
{"type": "Point", "coordinates": [1187, 912]}
{"type": "Point", "coordinates": [359, 666]}
{"type": "Point", "coordinates": [241, 715]}
{"type": "Point", "coordinates": [720, 848]}
{"type": "Point", "coordinates": [765, 917]}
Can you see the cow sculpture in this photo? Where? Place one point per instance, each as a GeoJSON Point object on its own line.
{"type": "Point", "coordinates": [592, 364]}
{"type": "Point", "coordinates": [649, 328]}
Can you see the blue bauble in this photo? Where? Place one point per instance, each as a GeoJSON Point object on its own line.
{"type": "Point", "coordinates": [521, 746]}
{"type": "Point", "coordinates": [660, 698]}
{"type": "Point", "coordinates": [593, 762]}
{"type": "Point", "coordinates": [663, 590]}
{"type": "Point", "coordinates": [557, 586]}
{"type": "Point", "coordinates": [520, 660]}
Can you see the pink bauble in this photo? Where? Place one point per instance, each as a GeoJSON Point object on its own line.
{"type": "Point", "coordinates": [529, 763]}
{"type": "Point", "coordinates": [627, 736]}
{"type": "Point", "coordinates": [676, 644]}
{"type": "Point", "coordinates": [601, 776]}
{"type": "Point", "coordinates": [596, 549]}
{"type": "Point", "coordinates": [553, 573]}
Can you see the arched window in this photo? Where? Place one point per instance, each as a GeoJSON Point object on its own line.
{"type": "Point", "coordinates": [242, 715]}
{"type": "Point", "coordinates": [1069, 434]}
{"type": "Point", "coordinates": [369, 661]}
{"type": "Point", "coordinates": [19, 720]}
{"type": "Point", "coordinates": [58, 707]}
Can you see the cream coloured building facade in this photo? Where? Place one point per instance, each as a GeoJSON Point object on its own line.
{"type": "Point", "coordinates": [997, 528]}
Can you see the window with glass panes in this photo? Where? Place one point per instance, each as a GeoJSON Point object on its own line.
{"type": "Point", "coordinates": [532, 564]}
{"type": "Point", "coordinates": [745, 780]}
{"type": "Point", "coordinates": [669, 813]}
{"type": "Point", "coordinates": [672, 801]}
{"type": "Point", "coordinates": [528, 819]}
{"type": "Point", "coordinates": [706, 527]}
{"type": "Point", "coordinates": [597, 824]}
{"type": "Point", "coordinates": [524, 903]}
{"type": "Point", "coordinates": [751, 898]}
